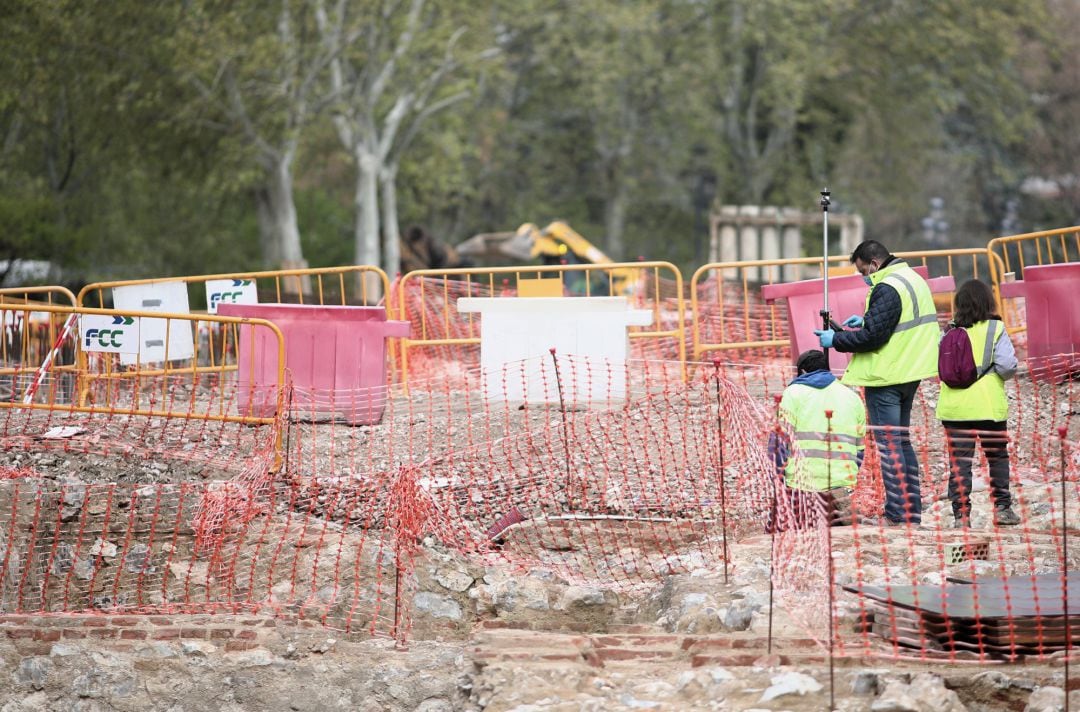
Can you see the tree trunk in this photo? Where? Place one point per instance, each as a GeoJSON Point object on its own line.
{"type": "Point", "coordinates": [277, 214]}
{"type": "Point", "coordinates": [391, 229]}
{"type": "Point", "coordinates": [279, 230]}
{"type": "Point", "coordinates": [269, 245]}
{"type": "Point", "coordinates": [366, 234]}
{"type": "Point", "coordinates": [615, 220]}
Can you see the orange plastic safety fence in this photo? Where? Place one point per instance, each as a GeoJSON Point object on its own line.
{"type": "Point", "coordinates": [137, 548]}
{"type": "Point", "coordinates": [959, 579]}
{"type": "Point", "coordinates": [613, 475]}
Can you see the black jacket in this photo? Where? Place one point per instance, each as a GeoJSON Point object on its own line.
{"type": "Point", "coordinates": [882, 316]}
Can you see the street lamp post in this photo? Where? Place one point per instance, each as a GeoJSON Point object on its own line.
{"type": "Point", "coordinates": [935, 226]}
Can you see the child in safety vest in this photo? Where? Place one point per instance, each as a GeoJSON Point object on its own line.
{"type": "Point", "coordinates": [979, 412]}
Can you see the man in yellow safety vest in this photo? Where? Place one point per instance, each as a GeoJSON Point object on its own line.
{"type": "Point", "coordinates": [894, 346]}
{"type": "Point", "coordinates": [819, 444]}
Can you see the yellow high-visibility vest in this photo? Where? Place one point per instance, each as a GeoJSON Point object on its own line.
{"type": "Point", "coordinates": [824, 453]}
{"type": "Point", "coordinates": [985, 399]}
{"type": "Point", "coordinates": [910, 354]}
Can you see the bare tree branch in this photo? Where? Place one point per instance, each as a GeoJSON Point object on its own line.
{"type": "Point", "coordinates": [405, 39]}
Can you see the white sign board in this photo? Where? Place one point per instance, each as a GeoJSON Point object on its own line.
{"type": "Point", "coordinates": [229, 291]}
{"type": "Point", "coordinates": [109, 334]}
{"type": "Point", "coordinates": [517, 335]}
{"type": "Point", "coordinates": [171, 297]}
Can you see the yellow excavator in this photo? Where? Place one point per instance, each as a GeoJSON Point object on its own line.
{"type": "Point", "coordinates": [558, 243]}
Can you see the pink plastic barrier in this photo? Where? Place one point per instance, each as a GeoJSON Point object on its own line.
{"type": "Point", "coordinates": [1053, 310]}
{"type": "Point", "coordinates": [336, 356]}
{"type": "Point", "coordinates": [847, 296]}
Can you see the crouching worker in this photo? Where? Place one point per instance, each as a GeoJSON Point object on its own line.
{"type": "Point", "coordinates": [818, 456]}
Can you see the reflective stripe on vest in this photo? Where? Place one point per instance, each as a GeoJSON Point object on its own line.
{"type": "Point", "coordinates": [833, 455]}
{"type": "Point", "coordinates": [916, 319]}
{"type": "Point", "coordinates": [988, 348]}
{"type": "Point", "coordinates": [835, 437]}
{"type": "Point", "coordinates": [985, 399]}
{"type": "Point", "coordinates": [910, 354]}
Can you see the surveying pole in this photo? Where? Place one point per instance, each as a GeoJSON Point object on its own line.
{"type": "Point", "coordinates": [825, 316]}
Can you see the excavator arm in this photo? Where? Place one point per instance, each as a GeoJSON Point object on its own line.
{"type": "Point", "coordinates": [555, 243]}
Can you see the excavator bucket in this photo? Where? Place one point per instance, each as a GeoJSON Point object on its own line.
{"type": "Point", "coordinates": [517, 246]}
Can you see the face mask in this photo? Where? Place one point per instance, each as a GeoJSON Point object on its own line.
{"type": "Point", "coordinates": [869, 282]}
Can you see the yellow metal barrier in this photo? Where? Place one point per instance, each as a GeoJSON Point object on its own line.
{"type": "Point", "coordinates": [52, 294]}
{"type": "Point", "coordinates": [1009, 255]}
{"type": "Point", "coordinates": [32, 334]}
{"type": "Point", "coordinates": [318, 285]}
{"type": "Point", "coordinates": [332, 285]}
{"type": "Point", "coordinates": [1035, 248]}
{"type": "Point", "coordinates": [439, 324]}
{"type": "Point", "coordinates": [732, 316]}
{"type": "Point", "coordinates": [99, 381]}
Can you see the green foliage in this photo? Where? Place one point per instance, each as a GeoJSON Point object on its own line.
{"type": "Point", "coordinates": [123, 151]}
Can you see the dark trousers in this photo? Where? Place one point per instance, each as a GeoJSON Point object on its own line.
{"type": "Point", "coordinates": [962, 436]}
{"type": "Point", "coordinates": [888, 408]}
{"type": "Point", "coordinates": [807, 509]}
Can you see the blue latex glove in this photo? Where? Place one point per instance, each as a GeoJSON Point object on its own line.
{"type": "Point", "coordinates": [854, 322]}
{"type": "Point", "coordinates": [825, 337]}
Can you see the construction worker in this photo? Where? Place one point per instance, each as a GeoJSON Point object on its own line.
{"type": "Point", "coordinates": [422, 250]}
{"type": "Point", "coordinates": [893, 346]}
{"type": "Point", "coordinates": [819, 444]}
{"type": "Point", "coordinates": [980, 411]}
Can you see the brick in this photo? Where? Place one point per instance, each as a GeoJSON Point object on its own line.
{"type": "Point", "coordinates": [220, 633]}
{"type": "Point", "coordinates": [73, 633]}
{"type": "Point", "coordinates": [625, 640]}
{"type": "Point", "coordinates": [16, 619]}
{"type": "Point", "coordinates": [166, 634]}
{"type": "Point", "coordinates": [189, 633]}
{"type": "Point", "coordinates": [32, 647]}
{"type": "Point", "coordinates": [54, 622]}
{"type": "Point", "coordinates": [161, 620]}
{"type": "Point", "coordinates": [256, 621]}
{"type": "Point", "coordinates": [124, 621]}
{"type": "Point", "coordinates": [130, 634]}
{"type": "Point", "coordinates": [614, 654]}
{"type": "Point", "coordinates": [50, 635]}
{"type": "Point", "coordinates": [704, 645]}
{"type": "Point", "coordinates": [102, 632]}
{"type": "Point", "coordinates": [93, 622]}
{"type": "Point", "coordinates": [619, 628]}
{"type": "Point", "coordinates": [237, 645]}
{"type": "Point", "coordinates": [724, 660]}
{"type": "Point", "coordinates": [20, 633]}
{"type": "Point", "coordinates": [246, 634]}
{"type": "Point", "coordinates": [575, 656]}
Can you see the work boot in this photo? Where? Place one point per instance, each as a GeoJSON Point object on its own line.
{"type": "Point", "coordinates": [1005, 517]}
{"type": "Point", "coordinates": [839, 507]}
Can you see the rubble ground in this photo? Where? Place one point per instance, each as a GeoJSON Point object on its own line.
{"type": "Point", "coordinates": [494, 636]}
